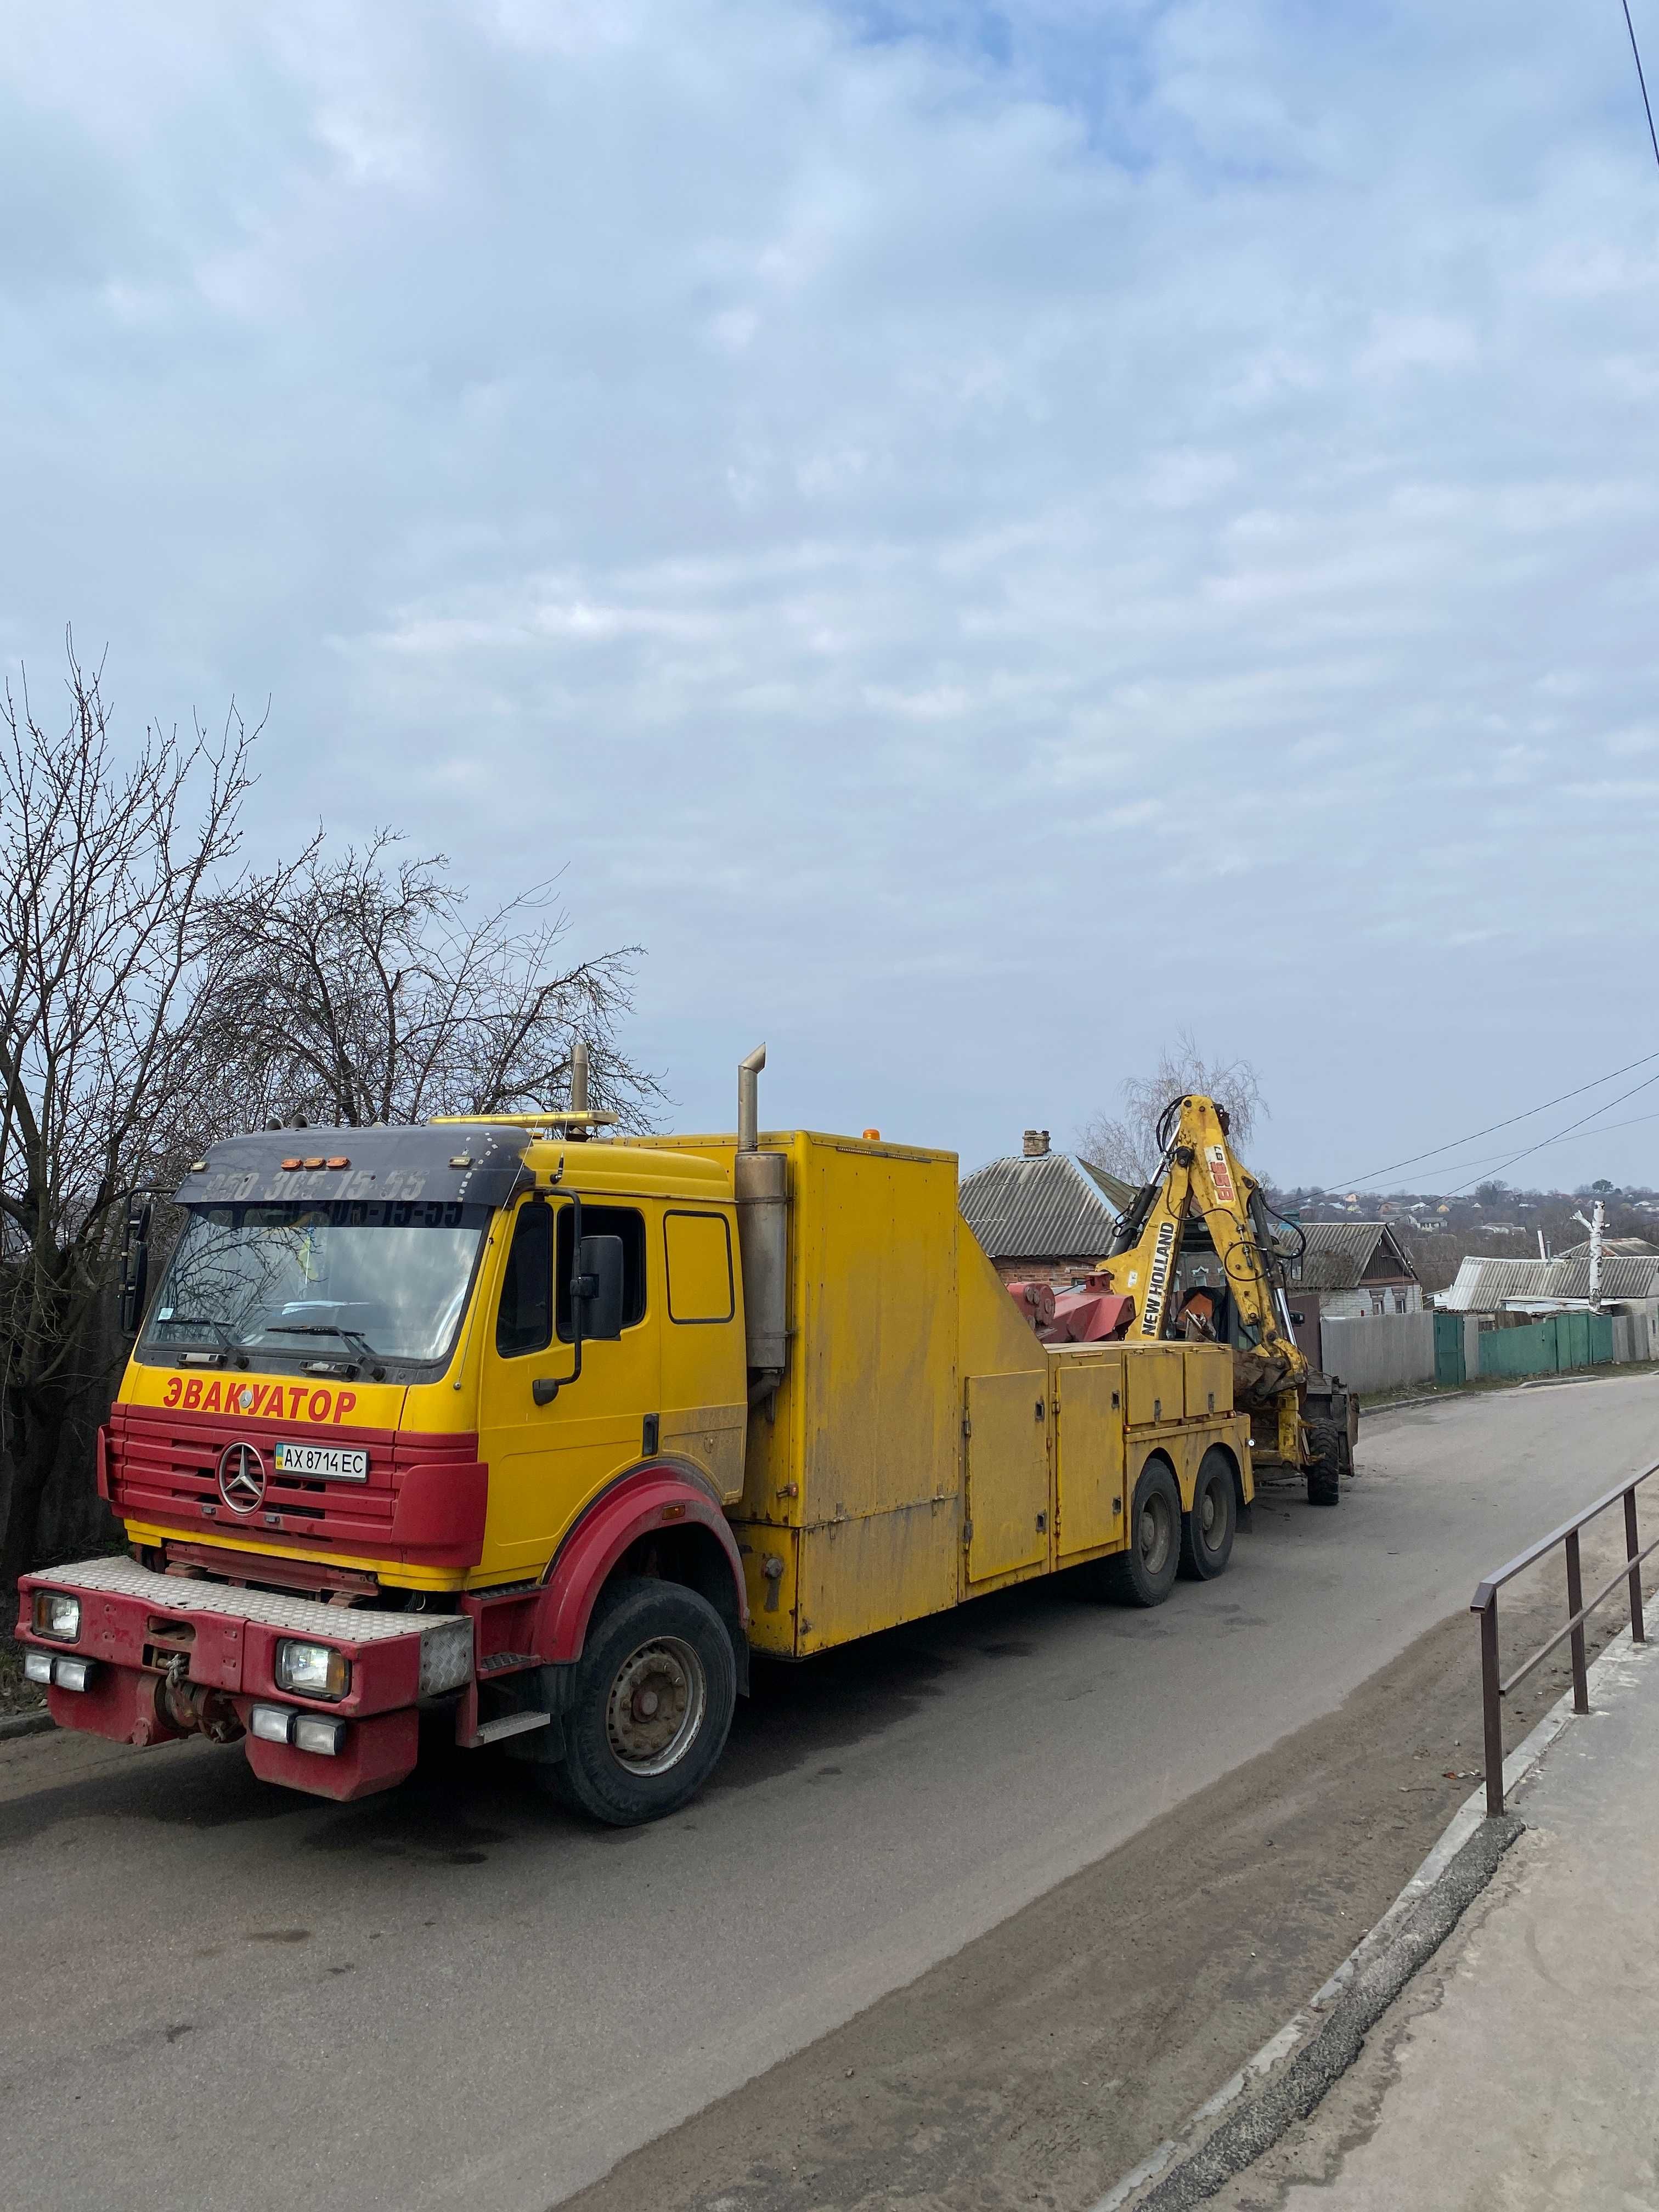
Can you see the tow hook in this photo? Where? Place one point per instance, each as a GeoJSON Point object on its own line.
{"type": "Point", "coordinates": [194, 1709]}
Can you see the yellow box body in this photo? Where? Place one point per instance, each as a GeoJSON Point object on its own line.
{"type": "Point", "coordinates": [923, 1446]}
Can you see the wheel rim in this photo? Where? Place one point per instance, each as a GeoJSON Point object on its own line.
{"type": "Point", "coordinates": [1211, 1517]}
{"type": "Point", "coordinates": [656, 1706]}
{"type": "Point", "coordinates": [1155, 1533]}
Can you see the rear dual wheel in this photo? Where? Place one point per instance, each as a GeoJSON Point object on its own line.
{"type": "Point", "coordinates": [1144, 1574]}
{"type": "Point", "coordinates": [1207, 1532]}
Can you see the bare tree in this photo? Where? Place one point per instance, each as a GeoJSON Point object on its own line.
{"type": "Point", "coordinates": [1126, 1145]}
{"type": "Point", "coordinates": [103, 870]}
{"type": "Point", "coordinates": [362, 991]}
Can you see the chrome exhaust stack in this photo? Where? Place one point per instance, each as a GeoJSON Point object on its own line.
{"type": "Point", "coordinates": [760, 1186]}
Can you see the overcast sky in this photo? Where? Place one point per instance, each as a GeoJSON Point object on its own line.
{"type": "Point", "coordinates": [978, 536]}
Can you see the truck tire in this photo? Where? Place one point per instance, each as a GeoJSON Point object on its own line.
{"type": "Point", "coordinates": [1207, 1532]}
{"type": "Point", "coordinates": [650, 1704]}
{"type": "Point", "coordinates": [1326, 1441]}
{"type": "Point", "coordinates": [1144, 1574]}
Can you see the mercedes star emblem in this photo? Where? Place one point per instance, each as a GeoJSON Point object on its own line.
{"type": "Point", "coordinates": [241, 1477]}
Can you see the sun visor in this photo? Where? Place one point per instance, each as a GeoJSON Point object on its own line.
{"type": "Point", "coordinates": [472, 1164]}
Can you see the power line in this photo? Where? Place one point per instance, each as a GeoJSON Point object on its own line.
{"type": "Point", "coordinates": [1647, 1083]}
{"type": "Point", "coordinates": [1434, 1153]}
{"type": "Point", "coordinates": [1641, 79]}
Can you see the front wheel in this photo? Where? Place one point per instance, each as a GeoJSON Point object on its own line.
{"type": "Point", "coordinates": [1144, 1574]}
{"type": "Point", "coordinates": [651, 1705]}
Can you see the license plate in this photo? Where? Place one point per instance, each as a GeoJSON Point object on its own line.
{"type": "Point", "coordinates": [333, 1462]}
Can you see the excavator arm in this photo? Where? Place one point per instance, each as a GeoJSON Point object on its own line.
{"type": "Point", "coordinates": [1203, 1201]}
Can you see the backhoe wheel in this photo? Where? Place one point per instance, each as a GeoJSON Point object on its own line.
{"type": "Point", "coordinates": [1326, 1456]}
{"type": "Point", "coordinates": [1146, 1573]}
{"type": "Point", "coordinates": [651, 1703]}
{"type": "Point", "coordinates": [1207, 1532]}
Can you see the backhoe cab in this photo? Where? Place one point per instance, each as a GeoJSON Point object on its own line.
{"type": "Point", "coordinates": [1196, 1251]}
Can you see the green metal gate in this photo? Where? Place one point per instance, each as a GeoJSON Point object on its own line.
{"type": "Point", "coordinates": [1449, 1367]}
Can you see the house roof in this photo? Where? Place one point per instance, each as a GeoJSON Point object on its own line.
{"type": "Point", "coordinates": [1486, 1286]}
{"type": "Point", "coordinates": [1051, 1207]}
{"type": "Point", "coordinates": [1639, 1244]}
{"type": "Point", "coordinates": [1339, 1255]}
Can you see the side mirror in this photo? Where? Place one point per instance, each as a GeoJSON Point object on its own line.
{"type": "Point", "coordinates": [596, 1289]}
{"type": "Point", "coordinates": [134, 1265]}
{"type": "Point", "coordinates": [1296, 1320]}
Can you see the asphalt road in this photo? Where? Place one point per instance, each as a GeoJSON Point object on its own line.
{"type": "Point", "coordinates": [223, 1996]}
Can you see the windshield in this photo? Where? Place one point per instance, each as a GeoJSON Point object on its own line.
{"type": "Point", "coordinates": [348, 1281]}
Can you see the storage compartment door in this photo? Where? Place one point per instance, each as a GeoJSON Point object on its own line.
{"type": "Point", "coordinates": [1156, 1392]}
{"type": "Point", "coordinates": [1007, 1473]}
{"type": "Point", "coordinates": [1089, 1444]}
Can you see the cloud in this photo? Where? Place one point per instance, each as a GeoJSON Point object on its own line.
{"type": "Point", "coordinates": [979, 538]}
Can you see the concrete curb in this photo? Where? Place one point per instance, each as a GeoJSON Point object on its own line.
{"type": "Point", "coordinates": [34, 1724]}
{"type": "Point", "coordinates": [1327, 2034]}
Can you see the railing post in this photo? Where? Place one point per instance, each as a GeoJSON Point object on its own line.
{"type": "Point", "coordinates": [1632, 1549]}
{"type": "Point", "coordinates": [1492, 1712]}
{"type": "Point", "coordinates": [1575, 1604]}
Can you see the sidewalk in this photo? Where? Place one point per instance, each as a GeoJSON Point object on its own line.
{"type": "Point", "coordinates": [1520, 2067]}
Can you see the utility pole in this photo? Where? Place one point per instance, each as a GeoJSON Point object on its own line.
{"type": "Point", "coordinates": [1596, 1225]}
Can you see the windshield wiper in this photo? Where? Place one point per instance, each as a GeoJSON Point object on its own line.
{"type": "Point", "coordinates": [226, 1341]}
{"type": "Point", "coordinates": [323, 1329]}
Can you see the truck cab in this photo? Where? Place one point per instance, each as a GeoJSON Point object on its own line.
{"type": "Point", "coordinates": [388, 1373]}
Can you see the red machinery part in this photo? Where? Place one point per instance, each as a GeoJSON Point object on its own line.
{"type": "Point", "coordinates": [1035, 1302]}
{"type": "Point", "coordinates": [1093, 1316]}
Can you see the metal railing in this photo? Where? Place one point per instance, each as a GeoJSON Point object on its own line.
{"type": "Point", "coordinates": [1493, 1690]}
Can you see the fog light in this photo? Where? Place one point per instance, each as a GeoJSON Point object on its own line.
{"type": "Point", "coordinates": [311, 1670]}
{"type": "Point", "coordinates": [272, 1723]}
{"type": "Point", "coordinates": [71, 1674]}
{"type": "Point", "coordinates": [37, 1666]}
{"type": "Point", "coordinates": [57, 1615]}
{"type": "Point", "coordinates": [312, 1733]}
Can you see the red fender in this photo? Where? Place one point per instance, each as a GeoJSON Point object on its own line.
{"type": "Point", "coordinates": [652, 1497]}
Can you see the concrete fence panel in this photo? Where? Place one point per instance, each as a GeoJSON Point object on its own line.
{"type": "Point", "coordinates": [1379, 1351]}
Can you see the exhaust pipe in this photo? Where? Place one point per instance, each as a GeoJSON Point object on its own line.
{"type": "Point", "coordinates": [578, 1076]}
{"type": "Point", "coordinates": [749, 1099]}
{"type": "Point", "coordinates": [760, 1186]}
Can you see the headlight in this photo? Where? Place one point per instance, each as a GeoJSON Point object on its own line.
{"type": "Point", "coordinates": [57, 1615]}
{"type": "Point", "coordinates": [311, 1670]}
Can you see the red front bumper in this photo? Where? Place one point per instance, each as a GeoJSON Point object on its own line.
{"type": "Point", "coordinates": [218, 1647]}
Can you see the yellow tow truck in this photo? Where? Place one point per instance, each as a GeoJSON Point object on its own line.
{"type": "Point", "coordinates": [530, 1432]}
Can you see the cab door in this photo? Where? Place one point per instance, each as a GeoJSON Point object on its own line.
{"type": "Point", "coordinates": [546, 1461]}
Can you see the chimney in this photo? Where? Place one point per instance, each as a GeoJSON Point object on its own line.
{"type": "Point", "coordinates": [1036, 1144]}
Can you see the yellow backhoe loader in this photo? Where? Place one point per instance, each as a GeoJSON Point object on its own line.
{"type": "Point", "coordinates": [1197, 1251]}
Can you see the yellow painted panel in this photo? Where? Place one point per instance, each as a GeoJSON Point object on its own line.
{"type": "Point", "coordinates": [1007, 1473]}
{"type": "Point", "coordinates": [711, 1437]}
{"type": "Point", "coordinates": [773, 1597]}
{"type": "Point", "coordinates": [1156, 1390]}
{"type": "Point", "coordinates": [1209, 1379]}
{"type": "Point", "coordinates": [857, 1577]}
{"type": "Point", "coordinates": [875, 1348]}
{"type": "Point", "coordinates": [1089, 1445]}
{"type": "Point", "coordinates": [701, 1279]}
{"type": "Point", "coordinates": [996, 1339]}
